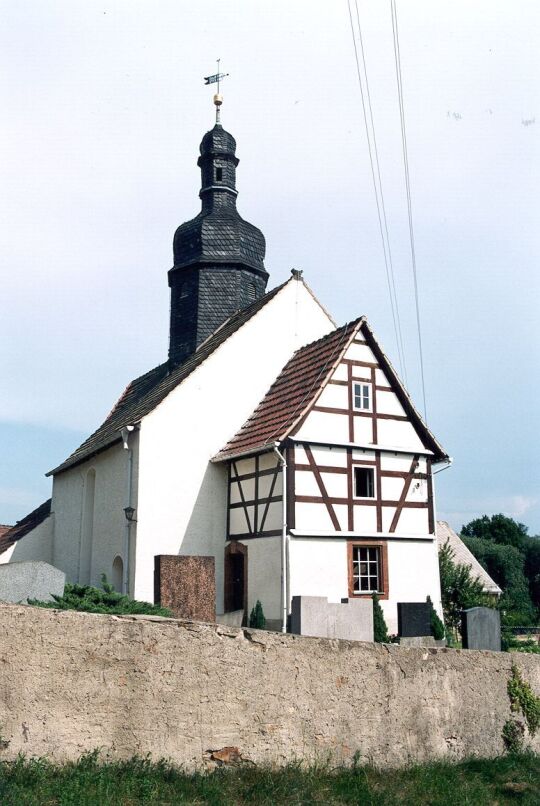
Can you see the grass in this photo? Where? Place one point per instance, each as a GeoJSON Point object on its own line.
{"type": "Point", "coordinates": [476, 782]}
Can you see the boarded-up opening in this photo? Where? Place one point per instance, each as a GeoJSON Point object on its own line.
{"type": "Point", "coordinates": [235, 577]}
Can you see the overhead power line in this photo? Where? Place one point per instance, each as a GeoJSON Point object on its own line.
{"type": "Point", "coordinates": [397, 59]}
{"type": "Point", "coordinates": [377, 185]}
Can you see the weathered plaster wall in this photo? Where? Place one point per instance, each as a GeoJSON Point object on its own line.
{"type": "Point", "coordinates": [72, 682]}
{"type": "Point", "coordinates": [109, 522]}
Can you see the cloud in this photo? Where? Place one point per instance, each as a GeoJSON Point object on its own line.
{"type": "Point", "coordinates": [514, 506]}
{"type": "Point", "coordinates": [520, 504]}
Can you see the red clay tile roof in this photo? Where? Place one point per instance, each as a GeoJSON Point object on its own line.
{"type": "Point", "coordinates": [24, 526]}
{"type": "Point", "coordinates": [145, 393]}
{"type": "Point", "coordinates": [298, 385]}
{"type": "Point", "coordinates": [291, 393]}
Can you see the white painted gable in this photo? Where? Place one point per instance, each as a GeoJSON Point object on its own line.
{"type": "Point", "coordinates": [330, 419]}
{"type": "Point", "coordinates": [182, 500]}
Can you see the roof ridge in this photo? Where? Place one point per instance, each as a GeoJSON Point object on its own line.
{"type": "Point", "coordinates": [140, 398]}
{"type": "Point", "coordinates": [286, 391]}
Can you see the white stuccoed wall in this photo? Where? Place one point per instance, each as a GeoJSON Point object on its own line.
{"type": "Point", "coordinates": [182, 498]}
{"type": "Point", "coordinates": [318, 567]}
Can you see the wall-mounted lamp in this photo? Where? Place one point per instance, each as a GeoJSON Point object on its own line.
{"type": "Point", "coordinates": [129, 512]}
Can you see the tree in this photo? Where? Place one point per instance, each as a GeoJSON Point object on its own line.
{"type": "Point", "coordinates": [498, 528]}
{"type": "Point", "coordinates": [459, 588]}
{"type": "Point", "coordinates": [504, 531]}
{"type": "Point", "coordinates": [505, 563]}
{"type": "Point", "coordinates": [532, 567]}
{"type": "Point", "coordinates": [380, 630]}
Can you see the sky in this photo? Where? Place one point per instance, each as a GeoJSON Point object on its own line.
{"type": "Point", "coordinates": [104, 107]}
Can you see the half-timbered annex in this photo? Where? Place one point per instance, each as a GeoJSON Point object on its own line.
{"type": "Point", "coordinates": [356, 513]}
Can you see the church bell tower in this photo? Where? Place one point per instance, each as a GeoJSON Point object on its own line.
{"type": "Point", "coordinates": [218, 257]}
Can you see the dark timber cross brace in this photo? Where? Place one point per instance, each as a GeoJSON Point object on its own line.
{"type": "Point", "coordinates": [404, 493]}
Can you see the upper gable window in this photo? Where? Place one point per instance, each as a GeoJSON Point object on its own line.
{"type": "Point", "coordinates": [364, 482]}
{"type": "Point", "coordinates": [362, 396]}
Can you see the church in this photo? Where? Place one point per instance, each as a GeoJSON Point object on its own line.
{"type": "Point", "coordinates": [277, 445]}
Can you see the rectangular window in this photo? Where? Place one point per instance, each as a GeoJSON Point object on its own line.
{"type": "Point", "coordinates": [364, 482]}
{"type": "Point", "coordinates": [362, 396]}
{"type": "Point", "coordinates": [366, 570]}
{"type": "Point", "coordinates": [219, 174]}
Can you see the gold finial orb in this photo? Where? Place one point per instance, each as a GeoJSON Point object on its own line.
{"type": "Point", "coordinates": [218, 99]}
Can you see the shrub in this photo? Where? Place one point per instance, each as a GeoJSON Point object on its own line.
{"type": "Point", "coordinates": [256, 618]}
{"type": "Point", "coordinates": [523, 698]}
{"type": "Point", "coordinates": [437, 626]}
{"type": "Point", "coordinates": [87, 599]}
{"type": "Point", "coordinates": [380, 630]}
{"type": "Point", "coordinates": [513, 734]}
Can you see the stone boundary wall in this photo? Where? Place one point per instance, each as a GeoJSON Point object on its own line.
{"type": "Point", "coordinates": [71, 682]}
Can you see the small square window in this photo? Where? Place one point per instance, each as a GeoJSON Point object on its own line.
{"type": "Point", "coordinates": [362, 396]}
{"type": "Point", "coordinates": [364, 482]}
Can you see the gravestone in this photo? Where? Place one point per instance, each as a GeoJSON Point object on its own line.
{"type": "Point", "coordinates": [186, 586]}
{"type": "Point", "coordinates": [414, 619]}
{"type": "Point", "coordinates": [350, 619]}
{"type": "Point", "coordinates": [30, 580]}
{"type": "Point", "coordinates": [481, 628]}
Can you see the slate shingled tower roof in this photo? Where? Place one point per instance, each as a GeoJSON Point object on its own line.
{"type": "Point", "coordinates": [218, 257]}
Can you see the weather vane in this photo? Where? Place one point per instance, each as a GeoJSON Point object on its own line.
{"type": "Point", "coordinates": [215, 79]}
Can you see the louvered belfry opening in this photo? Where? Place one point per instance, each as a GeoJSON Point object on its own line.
{"type": "Point", "coordinates": [218, 257]}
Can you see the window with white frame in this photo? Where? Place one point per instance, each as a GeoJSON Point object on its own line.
{"type": "Point", "coordinates": [366, 569]}
{"type": "Point", "coordinates": [364, 482]}
{"type": "Point", "coordinates": [362, 396]}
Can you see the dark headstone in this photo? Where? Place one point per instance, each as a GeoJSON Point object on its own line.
{"type": "Point", "coordinates": [186, 586]}
{"type": "Point", "coordinates": [414, 619]}
{"type": "Point", "coordinates": [481, 628]}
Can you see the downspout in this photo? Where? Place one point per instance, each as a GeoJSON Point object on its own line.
{"type": "Point", "coordinates": [283, 463]}
{"type": "Point", "coordinates": [126, 431]}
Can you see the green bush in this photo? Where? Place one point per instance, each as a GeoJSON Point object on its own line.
{"type": "Point", "coordinates": [87, 599]}
{"type": "Point", "coordinates": [256, 618]}
{"type": "Point", "coordinates": [437, 626]}
{"type": "Point", "coordinates": [380, 630]}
